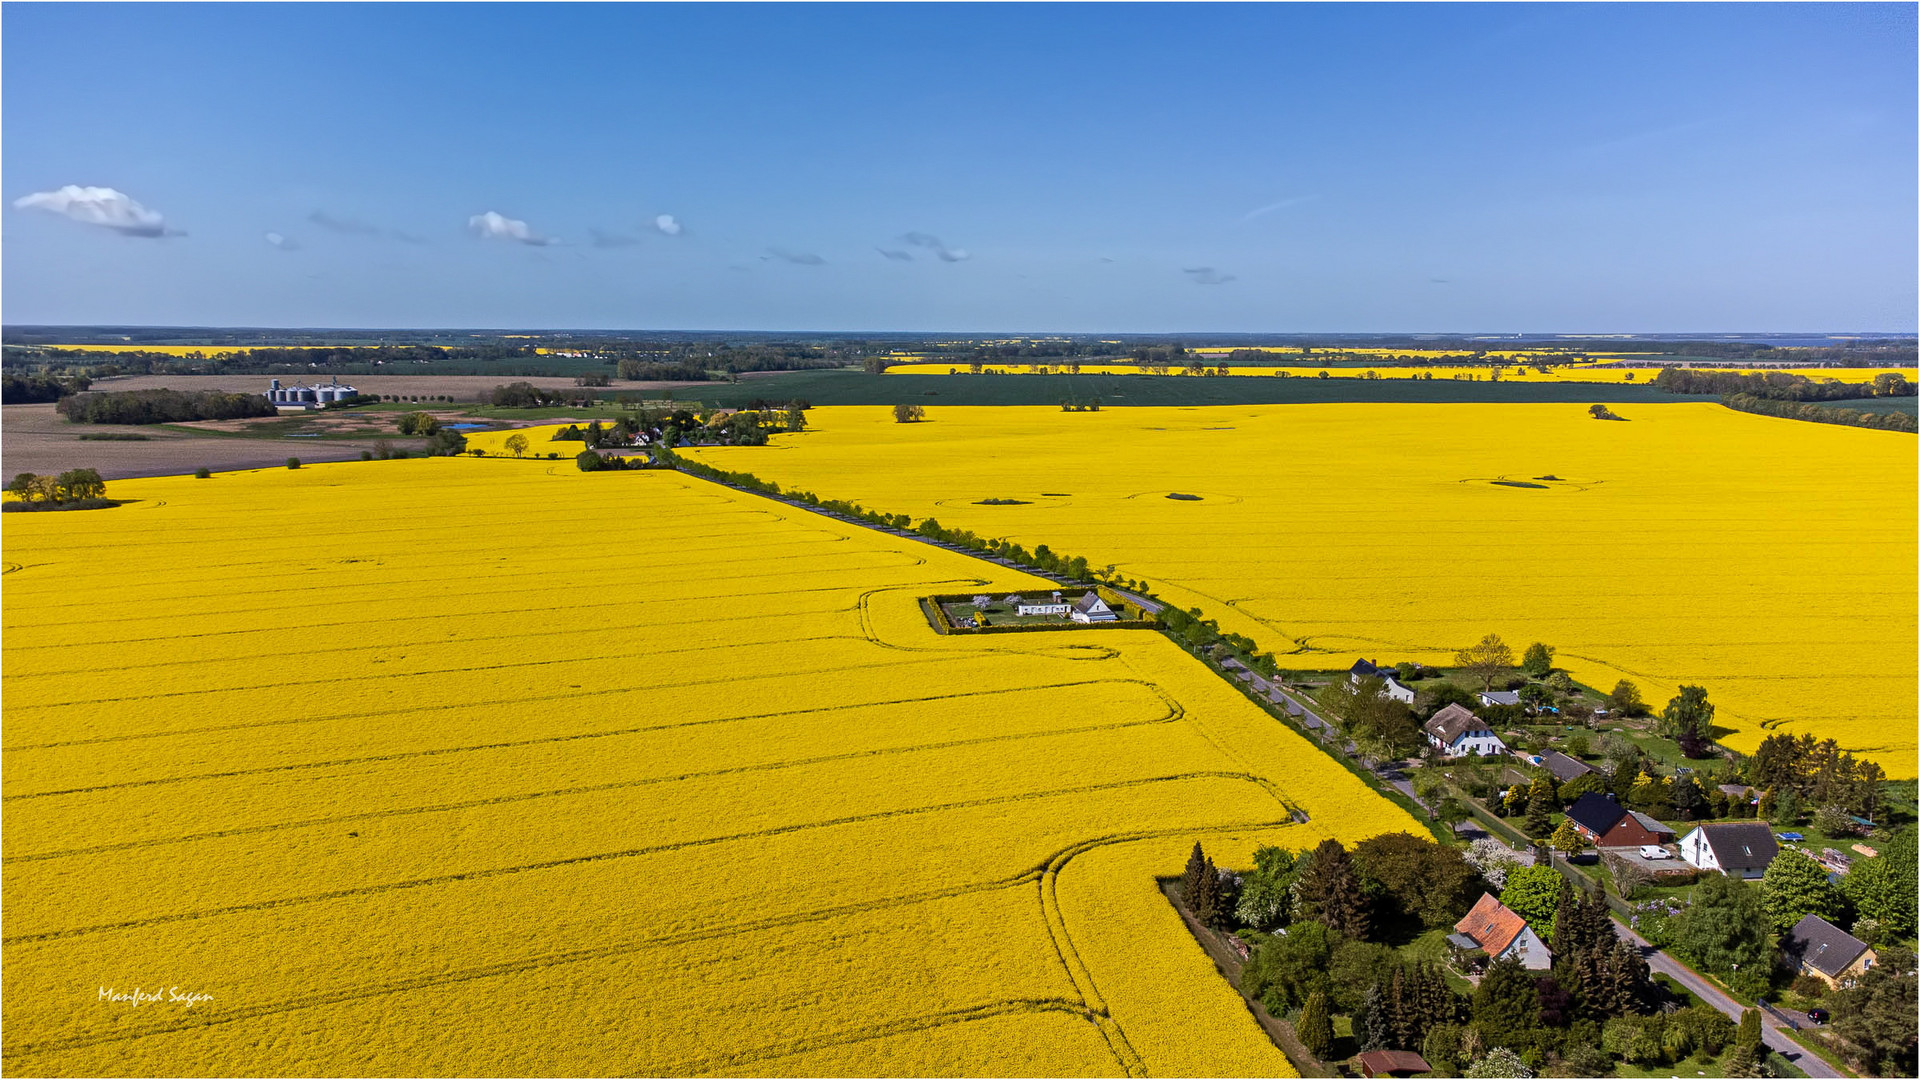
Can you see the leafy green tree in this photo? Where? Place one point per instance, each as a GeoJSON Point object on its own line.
{"type": "Point", "coordinates": [1485, 659]}
{"type": "Point", "coordinates": [1688, 712]}
{"type": "Point", "coordinates": [1688, 800]}
{"type": "Point", "coordinates": [76, 484]}
{"type": "Point", "coordinates": [1414, 878]}
{"type": "Point", "coordinates": [293, 463]}
{"type": "Point", "coordinates": [446, 443]}
{"type": "Point", "coordinates": [1751, 1034]}
{"type": "Point", "coordinates": [417, 423]}
{"type": "Point", "coordinates": [1534, 893]}
{"type": "Point", "coordinates": [1285, 970]}
{"type": "Point", "coordinates": [1329, 890]}
{"type": "Point", "coordinates": [1877, 1014]}
{"type": "Point", "coordinates": [1316, 1025]}
{"type": "Point", "coordinates": [1355, 966]}
{"type": "Point", "coordinates": [1441, 1048]}
{"type": "Point", "coordinates": [1580, 785]}
{"type": "Point", "coordinates": [1500, 1062]}
{"type": "Point", "coordinates": [1266, 893]}
{"type": "Point", "coordinates": [516, 445]}
{"type": "Point", "coordinates": [1724, 928]}
{"type": "Point", "coordinates": [1506, 1005]}
{"type": "Point", "coordinates": [1796, 886]}
{"type": "Point", "coordinates": [1882, 888]}
{"type": "Point", "coordinates": [907, 413]}
{"type": "Point", "coordinates": [1625, 699]}
{"type": "Point", "coordinates": [1537, 661]}
{"type": "Point", "coordinates": [1567, 839]}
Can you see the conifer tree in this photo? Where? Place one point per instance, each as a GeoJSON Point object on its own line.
{"type": "Point", "coordinates": [1316, 1026]}
{"type": "Point", "coordinates": [1750, 1034]}
{"type": "Point", "coordinates": [1190, 881]}
{"type": "Point", "coordinates": [1330, 891]}
{"type": "Point", "coordinates": [1206, 898]}
{"type": "Point", "coordinates": [1539, 815]}
{"type": "Point", "coordinates": [1374, 1025]}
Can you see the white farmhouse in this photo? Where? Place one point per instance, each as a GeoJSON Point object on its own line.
{"type": "Point", "coordinates": [1739, 849]}
{"type": "Point", "coordinates": [1456, 732]}
{"type": "Point", "coordinates": [1092, 609]}
{"type": "Point", "coordinates": [1397, 692]}
{"type": "Point", "coordinates": [1499, 931]}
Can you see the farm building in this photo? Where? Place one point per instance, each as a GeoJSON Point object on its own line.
{"type": "Point", "coordinates": [1092, 609]}
{"type": "Point", "coordinates": [1054, 606]}
{"type": "Point", "coordinates": [1735, 848]}
{"type": "Point", "coordinates": [1392, 1063]}
{"type": "Point", "coordinates": [1455, 732]}
{"type": "Point", "coordinates": [308, 397]}
{"type": "Point", "coordinates": [1819, 948]}
{"type": "Point", "coordinates": [1497, 930]}
{"type": "Point", "coordinates": [1605, 823]}
{"type": "Point", "coordinates": [1563, 768]}
{"type": "Point", "coordinates": [1499, 697]}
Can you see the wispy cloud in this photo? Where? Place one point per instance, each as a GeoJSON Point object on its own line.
{"type": "Point", "coordinates": [896, 256]}
{"type": "Point", "coordinates": [343, 226]}
{"type": "Point", "coordinates": [798, 258]}
{"type": "Point", "coordinates": [284, 243]}
{"type": "Point", "coordinates": [100, 206]}
{"type": "Point", "coordinates": [602, 239]}
{"type": "Point", "coordinates": [933, 244]}
{"type": "Point", "coordinates": [1261, 211]}
{"type": "Point", "coordinates": [495, 226]}
{"type": "Point", "coordinates": [669, 225]}
{"type": "Point", "coordinates": [1206, 275]}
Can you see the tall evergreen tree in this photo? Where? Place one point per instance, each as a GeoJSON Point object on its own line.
{"type": "Point", "coordinates": [1330, 891]}
{"type": "Point", "coordinates": [1316, 1025]}
{"type": "Point", "coordinates": [1539, 823]}
{"type": "Point", "coordinates": [1190, 881]}
{"type": "Point", "coordinates": [1374, 1025]}
{"type": "Point", "coordinates": [1206, 901]}
{"type": "Point", "coordinates": [1506, 1007]}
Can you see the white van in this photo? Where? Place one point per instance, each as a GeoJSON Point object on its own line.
{"type": "Point", "coordinates": [1654, 851]}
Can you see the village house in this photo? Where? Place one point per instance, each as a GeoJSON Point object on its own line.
{"type": "Point", "coordinates": [1456, 732]}
{"type": "Point", "coordinates": [1054, 606]}
{"type": "Point", "coordinates": [1497, 930]}
{"type": "Point", "coordinates": [1819, 948]}
{"type": "Point", "coordinates": [1605, 823]}
{"type": "Point", "coordinates": [1367, 669]}
{"type": "Point", "coordinates": [1739, 849]}
{"type": "Point", "coordinates": [1498, 697]}
{"type": "Point", "coordinates": [1564, 769]}
{"type": "Point", "coordinates": [1092, 609]}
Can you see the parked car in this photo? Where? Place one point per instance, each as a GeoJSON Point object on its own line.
{"type": "Point", "coordinates": [1819, 1016]}
{"type": "Point", "coordinates": [1654, 851]}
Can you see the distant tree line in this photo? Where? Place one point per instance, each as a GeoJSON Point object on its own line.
{"type": "Point", "coordinates": [161, 406]}
{"type": "Point", "coordinates": [1778, 385]}
{"type": "Point", "coordinates": [71, 490]}
{"type": "Point", "coordinates": [33, 389]}
{"type": "Point", "coordinates": [1823, 414]}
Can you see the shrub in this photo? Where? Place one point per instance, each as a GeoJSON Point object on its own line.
{"type": "Point", "coordinates": [293, 463]}
{"type": "Point", "coordinates": [202, 473]}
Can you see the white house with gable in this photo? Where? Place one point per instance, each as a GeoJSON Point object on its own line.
{"type": "Point", "coordinates": [1054, 606]}
{"type": "Point", "coordinates": [1456, 732]}
{"type": "Point", "coordinates": [1092, 609]}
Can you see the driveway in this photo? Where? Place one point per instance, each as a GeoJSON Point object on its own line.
{"type": "Point", "coordinates": [1772, 1032]}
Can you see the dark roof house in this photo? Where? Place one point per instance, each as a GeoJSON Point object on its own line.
{"type": "Point", "coordinates": [1606, 823]}
{"type": "Point", "coordinates": [1820, 948]}
{"type": "Point", "coordinates": [1735, 848]}
{"type": "Point", "coordinates": [1562, 767]}
{"type": "Point", "coordinates": [1364, 669]}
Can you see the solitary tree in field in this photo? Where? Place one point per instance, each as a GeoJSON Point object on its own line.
{"type": "Point", "coordinates": [517, 445]}
{"type": "Point", "coordinates": [907, 413]}
{"type": "Point", "coordinates": [1538, 661]}
{"type": "Point", "coordinates": [1625, 699]}
{"type": "Point", "coordinates": [1488, 658]}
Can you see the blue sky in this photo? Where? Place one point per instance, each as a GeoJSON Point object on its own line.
{"type": "Point", "coordinates": [1144, 168]}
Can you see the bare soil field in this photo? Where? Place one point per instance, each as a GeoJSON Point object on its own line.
{"type": "Point", "coordinates": [35, 439]}
{"type": "Point", "coordinates": [461, 388]}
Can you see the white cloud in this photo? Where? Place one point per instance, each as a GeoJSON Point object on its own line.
{"type": "Point", "coordinates": [494, 226]}
{"type": "Point", "coordinates": [102, 206]}
{"type": "Point", "coordinates": [668, 224]}
{"type": "Point", "coordinates": [284, 243]}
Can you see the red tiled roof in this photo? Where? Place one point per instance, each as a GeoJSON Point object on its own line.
{"type": "Point", "coordinates": [1387, 1062]}
{"type": "Point", "coordinates": [1492, 925]}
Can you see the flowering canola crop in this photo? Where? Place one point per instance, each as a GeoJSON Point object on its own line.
{"type": "Point", "coordinates": [1771, 561]}
{"type": "Point", "coordinates": [1518, 370]}
{"type": "Point", "coordinates": [473, 766]}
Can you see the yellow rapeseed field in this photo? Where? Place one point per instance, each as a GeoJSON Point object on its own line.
{"type": "Point", "coordinates": [1771, 561]}
{"type": "Point", "coordinates": [471, 766]}
{"type": "Point", "coordinates": [1520, 371]}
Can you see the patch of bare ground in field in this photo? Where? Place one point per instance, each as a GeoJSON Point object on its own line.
{"type": "Point", "coordinates": [462, 388]}
{"type": "Point", "coordinates": [35, 439]}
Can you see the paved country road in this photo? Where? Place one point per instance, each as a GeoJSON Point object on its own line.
{"type": "Point", "coordinates": [1774, 1034]}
